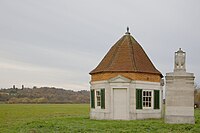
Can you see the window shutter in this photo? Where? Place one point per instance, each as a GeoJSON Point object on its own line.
{"type": "Point", "coordinates": [92, 99]}
{"type": "Point", "coordinates": [138, 98]}
{"type": "Point", "coordinates": [156, 99]}
{"type": "Point", "coordinates": [103, 98]}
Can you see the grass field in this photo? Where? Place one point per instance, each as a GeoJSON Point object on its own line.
{"type": "Point", "coordinates": [64, 118]}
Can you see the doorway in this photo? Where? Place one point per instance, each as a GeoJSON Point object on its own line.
{"type": "Point", "coordinates": [120, 103]}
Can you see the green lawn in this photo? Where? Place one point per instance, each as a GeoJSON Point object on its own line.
{"type": "Point", "coordinates": [56, 118]}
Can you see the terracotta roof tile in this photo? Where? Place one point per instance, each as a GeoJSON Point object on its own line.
{"type": "Point", "coordinates": [126, 55]}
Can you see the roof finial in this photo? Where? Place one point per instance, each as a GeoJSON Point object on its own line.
{"type": "Point", "coordinates": [127, 31]}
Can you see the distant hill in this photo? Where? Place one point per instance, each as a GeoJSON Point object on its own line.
{"type": "Point", "coordinates": [43, 95]}
{"type": "Point", "coordinates": [55, 95]}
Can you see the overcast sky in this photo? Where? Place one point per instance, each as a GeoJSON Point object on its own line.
{"type": "Point", "coordinates": [58, 42]}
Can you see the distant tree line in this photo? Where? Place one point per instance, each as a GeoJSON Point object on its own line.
{"type": "Point", "coordinates": [43, 95]}
{"type": "Point", "coordinates": [55, 95]}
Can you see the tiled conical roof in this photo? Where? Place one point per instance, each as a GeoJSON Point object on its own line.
{"type": "Point", "coordinates": [126, 55]}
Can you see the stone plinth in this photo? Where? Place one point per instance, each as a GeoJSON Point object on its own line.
{"type": "Point", "coordinates": [179, 106]}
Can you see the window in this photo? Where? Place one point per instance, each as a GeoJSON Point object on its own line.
{"type": "Point", "coordinates": [147, 99]}
{"type": "Point", "coordinates": [98, 97]}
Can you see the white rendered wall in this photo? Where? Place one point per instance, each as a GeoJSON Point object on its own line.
{"type": "Point", "coordinates": [147, 113]}
{"type": "Point", "coordinates": [130, 86]}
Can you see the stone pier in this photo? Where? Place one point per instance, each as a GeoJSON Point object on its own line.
{"type": "Point", "coordinates": [179, 108]}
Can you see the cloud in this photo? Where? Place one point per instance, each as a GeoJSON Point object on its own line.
{"type": "Point", "coordinates": [57, 43]}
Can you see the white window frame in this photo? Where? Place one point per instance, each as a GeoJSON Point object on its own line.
{"type": "Point", "coordinates": [96, 98]}
{"type": "Point", "coordinates": [152, 97]}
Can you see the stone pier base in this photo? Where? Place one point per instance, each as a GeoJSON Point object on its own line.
{"type": "Point", "coordinates": [179, 119]}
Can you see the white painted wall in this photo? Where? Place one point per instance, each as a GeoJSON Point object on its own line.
{"type": "Point", "coordinates": [130, 97]}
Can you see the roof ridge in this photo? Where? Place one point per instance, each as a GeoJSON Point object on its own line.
{"type": "Point", "coordinates": [133, 59]}
{"type": "Point", "coordinates": [114, 55]}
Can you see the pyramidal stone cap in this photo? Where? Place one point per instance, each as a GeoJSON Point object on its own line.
{"type": "Point", "coordinates": [126, 55]}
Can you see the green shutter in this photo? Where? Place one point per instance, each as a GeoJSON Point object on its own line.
{"type": "Point", "coordinates": [138, 98]}
{"type": "Point", "coordinates": [92, 99]}
{"type": "Point", "coordinates": [103, 98]}
{"type": "Point", "coordinates": [156, 99]}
